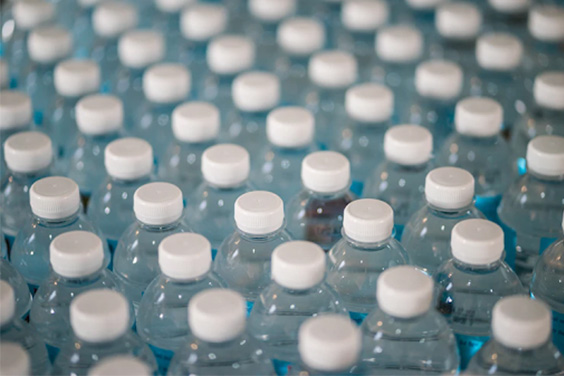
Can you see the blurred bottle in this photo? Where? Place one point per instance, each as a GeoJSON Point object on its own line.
{"type": "Point", "coordinates": [5, 81]}
{"type": "Point", "coordinates": [22, 294]}
{"type": "Point", "coordinates": [508, 16]}
{"type": "Point", "coordinates": [121, 365]}
{"type": "Point", "coordinates": [15, 359]}
{"type": "Point", "coordinates": [164, 17]}
{"type": "Point", "coordinates": [77, 18]}
{"type": "Point", "coordinates": [421, 13]}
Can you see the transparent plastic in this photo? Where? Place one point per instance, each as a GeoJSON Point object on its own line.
{"type": "Point", "coordinates": [435, 115]}
{"type": "Point", "coordinates": [400, 78]}
{"type": "Point", "coordinates": [60, 126]}
{"type": "Point", "coordinates": [247, 129]}
{"type": "Point", "coordinates": [361, 45]}
{"type": "Point", "coordinates": [38, 82]}
{"type": "Point", "coordinates": [292, 72]}
{"type": "Point", "coordinates": [127, 84]}
{"type": "Point", "coordinates": [21, 290]}
{"type": "Point", "coordinates": [328, 107]}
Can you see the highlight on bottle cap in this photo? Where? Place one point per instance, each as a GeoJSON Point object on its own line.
{"type": "Point", "coordinates": [510, 6]}
{"type": "Point", "coordinates": [173, 6]}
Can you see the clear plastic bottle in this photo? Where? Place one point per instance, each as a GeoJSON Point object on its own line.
{"type": "Point", "coordinates": [77, 17]}
{"type": "Point", "coordinates": [297, 292]}
{"type": "Point", "coordinates": [21, 290]}
{"type": "Point", "coordinates": [125, 365]}
{"type": "Point", "coordinates": [164, 17]}
{"type": "Point", "coordinates": [470, 284]}
{"type": "Point", "coordinates": [400, 179]}
{"type": "Point", "coordinates": [405, 333]}
{"type": "Point", "coordinates": [316, 212]}
{"type": "Point", "coordinates": [162, 321]}
{"type": "Point", "coordinates": [521, 343]}
{"type": "Point", "coordinates": [421, 13]}
{"type": "Point", "coordinates": [449, 194]}
{"type": "Point", "coordinates": [101, 324]}
{"type": "Point", "coordinates": [507, 16]}
{"type": "Point", "coordinates": [15, 359]}
{"type": "Point", "coordinates": [219, 343]}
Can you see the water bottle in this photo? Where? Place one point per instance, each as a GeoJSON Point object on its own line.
{"type": "Point", "coordinates": [421, 13]}
{"type": "Point", "coordinates": [316, 212]}
{"type": "Point", "coordinates": [449, 194]}
{"type": "Point", "coordinates": [21, 290]}
{"type": "Point", "coordinates": [165, 18]}
{"type": "Point", "coordinates": [210, 209]}
{"type": "Point", "coordinates": [14, 329]}
{"type": "Point", "coordinates": [404, 333]}
{"type": "Point", "coordinates": [290, 133]}
{"type": "Point", "coordinates": [521, 342]}
{"type": "Point", "coordinates": [243, 259]}
{"type": "Point", "coordinates": [470, 284]}
{"type": "Point", "coordinates": [366, 250]}
{"type": "Point", "coordinates": [77, 17]}
{"type": "Point", "coordinates": [15, 359]}
{"type": "Point", "coordinates": [162, 322]}
{"type": "Point", "coordinates": [219, 343]}
{"type": "Point", "coordinates": [101, 324]}
{"type": "Point", "coordinates": [479, 148]}
{"type": "Point", "coordinates": [531, 208]}
{"type": "Point", "coordinates": [507, 16]}
{"type": "Point", "coordinates": [400, 179]}
{"type": "Point", "coordinates": [121, 365]}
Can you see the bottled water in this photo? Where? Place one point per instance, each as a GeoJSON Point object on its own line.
{"type": "Point", "coordinates": [290, 132]}
{"type": "Point", "coordinates": [15, 359]}
{"type": "Point", "coordinates": [162, 322]}
{"type": "Point", "coordinates": [507, 16]}
{"type": "Point", "coordinates": [195, 126]}
{"type": "Point", "coordinates": [421, 13]}
{"type": "Point", "coordinates": [469, 285]}
{"type": "Point", "coordinates": [164, 17]}
{"type": "Point", "coordinates": [298, 291]}
{"type": "Point", "coordinates": [13, 329]}
{"type": "Point", "coordinates": [521, 341]}
{"type": "Point", "coordinates": [404, 333]}
{"type": "Point", "coordinates": [21, 290]}
{"type": "Point", "coordinates": [102, 328]}
{"type": "Point", "coordinates": [219, 343]}
{"type": "Point", "coordinates": [449, 192]}
{"type": "Point", "coordinates": [400, 179]}
{"type": "Point", "coordinates": [531, 208]}
{"type": "Point", "coordinates": [243, 259]}
{"type": "Point", "coordinates": [158, 211]}
{"type": "Point", "coordinates": [125, 365]}
{"type": "Point", "coordinates": [366, 250]}
{"type": "Point", "coordinates": [316, 212]}
{"type": "Point", "coordinates": [128, 162]}
{"type": "Point", "coordinates": [77, 18]}
{"type": "Point", "coordinates": [210, 209]}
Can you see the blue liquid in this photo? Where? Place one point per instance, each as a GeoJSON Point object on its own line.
{"type": "Point", "coordinates": [21, 290]}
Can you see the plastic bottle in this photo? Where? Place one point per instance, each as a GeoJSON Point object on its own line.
{"type": "Point", "coordinates": [162, 322]}
{"type": "Point", "coordinates": [449, 194]}
{"type": "Point", "coordinates": [521, 342]}
{"type": "Point", "coordinates": [21, 290]}
{"type": "Point", "coordinates": [507, 16]}
{"type": "Point", "coordinates": [15, 359]}
{"type": "Point", "coordinates": [124, 365]}
{"type": "Point", "coordinates": [469, 285]}
{"type": "Point", "coordinates": [421, 13]}
{"type": "Point", "coordinates": [219, 343]}
{"type": "Point", "coordinates": [404, 333]}
{"type": "Point", "coordinates": [164, 17]}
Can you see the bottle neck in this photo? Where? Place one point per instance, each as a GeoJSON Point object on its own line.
{"type": "Point", "coordinates": [484, 268]}
{"type": "Point", "coordinates": [160, 228]}
{"type": "Point", "coordinates": [452, 212]}
{"type": "Point", "coordinates": [57, 222]}
{"type": "Point", "coordinates": [260, 237]}
{"type": "Point", "coordinates": [372, 246]}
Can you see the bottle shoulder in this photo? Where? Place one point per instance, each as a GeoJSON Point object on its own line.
{"type": "Point", "coordinates": [164, 291]}
{"type": "Point", "coordinates": [346, 254]}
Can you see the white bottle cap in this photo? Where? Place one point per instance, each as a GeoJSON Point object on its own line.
{"type": "Point", "coordinates": [399, 44]}
{"type": "Point", "coordinates": [128, 158]}
{"type": "Point", "coordinates": [477, 242]}
{"type": "Point", "coordinates": [301, 36]}
{"type": "Point", "coordinates": [271, 10]}
{"type": "Point", "coordinates": [75, 78]}
{"type": "Point", "coordinates": [99, 114]}
{"type": "Point", "coordinates": [123, 365]}
{"type": "Point", "coordinates": [499, 52]}
{"type": "Point", "coordinates": [478, 117]}
{"type": "Point", "coordinates": [4, 76]}
{"type": "Point", "coordinates": [185, 256]}
{"type": "Point", "coordinates": [548, 90]}
{"type": "Point", "coordinates": [195, 122]}
{"type": "Point", "coordinates": [158, 203]}
{"type": "Point", "coordinates": [438, 79]}
{"type": "Point", "coordinates": [408, 145]}
{"type": "Point", "coordinates": [28, 152]}
{"type": "Point", "coordinates": [141, 48]}
{"type": "Point", "coordinates": [7, 302]}
{"type": "Point", "coordinates": [256, 91]}
{"type": "Point", "coordinates": [230, 54]}
{"type": "Point", "coordinates": [404, 292]}
{"type": "Point", "coordinates": [510, 6]}
{"type": "Point", "coordinates": [364, 15]}
{"type": "Point", "coordinates": [546, 23]}
{"type": "Point", "coordinates": [259, 212]}
{"type": "Point", "coordinates": [217, 315]}
{"type": "Point", "coordinates": [298, 265]}
{"type": "Point", "coordinates": [290, 127]}
{"type": "Point", "coordinates": [458, 20]}
{"type": "Point", "coordinates": [225, 165]}
{"type": "Point", "coordinates": [76, 254]}
{"type": "Point", "coordinates": [520, 322]}
{"type": "Point", "coordinates": [424, 4]}
{"type": "Point", "coordinates": [15, 360]}
{"type": "Point", "coordinates": [333, 69]}
{"type": "Point", "coordinates": [15, 109]}
{"type": "Point", "coordinates": [47, 45]}
{"type": "Point", "coordinates": [329, 343]}
{"type": "Point", "coordinates": [369, 103]}
{"type": "Point", "coordinates": [99, 315]}
{"type": "Point", "coordinates": [202, 22]}
{"type": "Point", "coordinates": [368, 220]}
{"type": "Point", "coordinates": [172, 6]}
{"type": "Point", "coordinates": [449, 188]}
{"type": "Point", "coordinates": [54, 197]}
{"type": "Point", "coordinates": [167, 83]}
{"type": "Point", "coordinates": [31, 13]}
{"type": "Point", "coordinates": [545, 155]}
{"type": "Point", "coordinates": [113, 18]}
{"type": "Point", "coordinates": [326, 172]}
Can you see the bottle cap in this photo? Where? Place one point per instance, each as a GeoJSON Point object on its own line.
{"type": "Point", "coordinates": [520, 322]}
{"type": "Point", "coordinates": [369, 103]}
{"type": "Point", "coordinates": [477, 242]}
{"type": "Point", "coordinates": [15, 109]}
{"type": "Point", "coordinates": [449, 188]}
{"type": "Point", "coordinates": [259, 212]}
{"type": "Point", "coordinates": [49, 44]}
{"type": "Point", "coordinates": [438, 79]}
{"type": "Point", "coordinates": [128, 158]}
{"type": "Point", "coordinates": [141, 48]}
{"type": "Point", "coordinates": [99, 315]}
{"type": "Point", "coordinates": [195, 122]}
{"type": "Point", "coordinates": [28, 152]}
{"type": "Point", "coordinates": [230, 54]}
{"type": "Point", "coordinates": [158, 203]}
{"type": "Point", "coordinates": [173, 6]}
{"type": "Point", "coordinates": [364, 15]}
{"type": "Point", "coordinates": [201, 22]}
{"type": "Point", "coordinates": [123, 365]}
{"type": "Point", "coordinates": [99, 114]}
{"type": "Point", "coordinates": [298, 265]}
{"type": "Point", "coordinates": [399, 44]}
{"type": "Point", "coordinates": [167, 83]}
{"type": "Point", "coordinates": [256, 91]}
{"type": "Point", "coordinates": [217, 315]}
{"type": "Point", "coordinates": [499, 52]}
{"type": "Point", "coordinates": [478, 117]}
{"type": "Point", "coordinates": [54, 197]}
{"type": "Point", "coordinates": [76, 254]}
{"type": "Point", "coordinates": [329, 343]}
{"type": "Point", "coordinates": [546, 23]}
{"type": "Point", "coordinates": [548, 90]}
{"type": "Point", "coordinates": [333, 69]}
{"type": "Point", "coordinates": [112, 18]}
{"type": "Point", "coordinates": [271, 10]}
{"type": "Point", "coordinates": [458, 20]}
{"type": "Point", "coordinates": [510, 6]}
{"type": "Point", "coordinates": [31, 13]}
{"type": "Point", "coordinates": [301, 36]}
{"type": "Point", "coordinates": [404, 292]}
{"type": "Point", "coordinates": [225, 165]}
{"type": "Point", "coordinates": [545, 155]}
{"type": "Point", "coordinates": [15, 359]}
{"type": "Point", "coordinates": [185, 256]}
{"type": "Point", "coordinates": [326, 172]}
{"type": "Point", "coordinates": [75, 78]}
{"type": "Point", "coordinates": [7, 302]}
{"type": "Point", "coordinates": [424, 4]}
{"type": "Point", "coordinates": [368, 220]}
{"type": "Point", "coordinates": [408, 145]}
{"type": "Point", "coordinates": [290, 127]}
